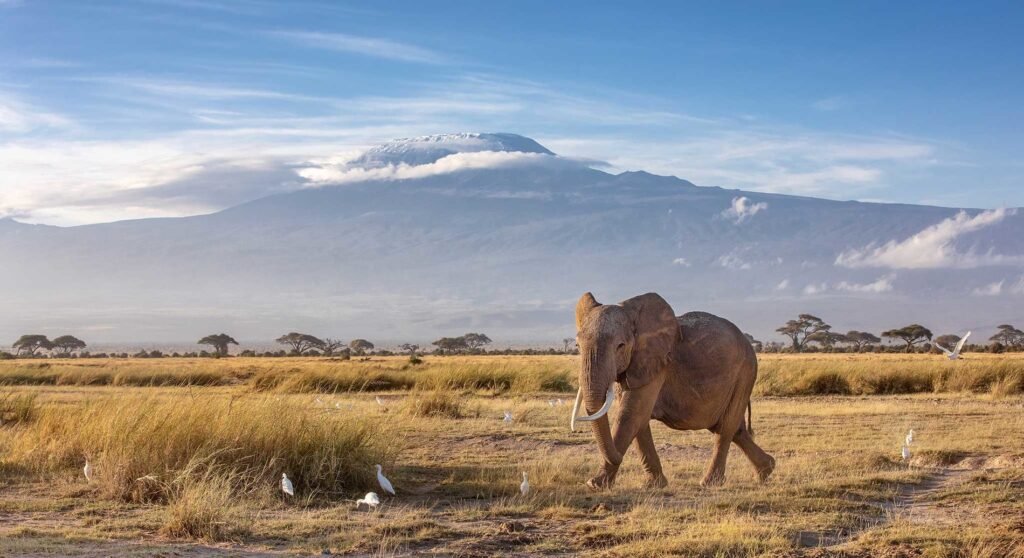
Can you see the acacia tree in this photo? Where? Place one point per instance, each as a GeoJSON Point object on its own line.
{"type": "Point", "coordinates": [568, 343]}
{"type": "Point", "coordinates": [66, 344]}
{"type": "Point", "coordinates": [798, 330]}
{"type": "Point", "coordinates": [451, 345]}
{"type": "Point", "coordinates": [409, 348]}
{"type": "Point", "coordinates": [328, 346]}
{"type": "Point", "coordinates": [1009, 336]}
{"type": "Point", "coordinates": [219, 342]}
{"type": "Point", "coordinates": [476, 340]}
{"type": "Point", "coordinates": [911, 335]}
{"type": "Point", "coordinates": [31, 344]}
{"type": "Point", "coordinates": [861, 339]}
{"type": "Point", "coordinates": [300, 342]}
{"type": "Point", "coordinates": [948, 341]}
{"type": "Point", "coordinates": [826, 338]}
{"type": "Point", "coordinates": [360, 346]}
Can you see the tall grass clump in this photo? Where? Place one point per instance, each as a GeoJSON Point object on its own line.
{"type": "Point", "coordinates": [138, 445]}
{"type": "Point", "coordinates": [202, 504]}
{"type": "Point", "coordinates": [437, 403]}
{"type": "Point", "coordinates": [18, 408]}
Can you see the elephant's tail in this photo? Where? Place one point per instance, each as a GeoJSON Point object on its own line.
{"type": "Point", "coordinates": [750, 419]}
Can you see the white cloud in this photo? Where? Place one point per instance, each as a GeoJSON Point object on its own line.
{"type": "Point", "coordinates": [881, 285]}
{"type": "Point", "coordinates": [992, 289]}
{"type": "Point", "coordinates": [742, 209]}
{"type": "Point", "coordinates": [932, 247]}
{"type": "Point", "coordinates": [18, 117]}
{"type": "Point", "coordinates": [783, 285]}
{"type": "Point", "coordinates": [815, 288]}
{"type": "Point", "coordinates": [683, 262]}
{"type": "Point", "coordinates": [339, 174]}
{"type": "Point", "coordinates": [1018, 287]}
{"type": "Point", "coordinates": [732, 261]}
{"type": "Point", "coordinates": [368, 46]}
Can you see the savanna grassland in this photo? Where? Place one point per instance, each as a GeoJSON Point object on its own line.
{"type": "Point", "coordinates": [187, 457]}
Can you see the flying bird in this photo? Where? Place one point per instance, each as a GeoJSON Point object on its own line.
{"type": "Point", "coordinates": [524, 487]}
{"type": "Point", "coordinates": [905, 453]}
{"type": "Point", "coordinates": [371, 500]}
{"type": "Point", "coordinates": [88, 471]}
{"type": "Point", "coordinates": [955, 353]}
{"type": "Point", "coordinates": [384, 482]}
{"type": "Point", "coordinates": [508, 417]}
{"type": "Point", "coordinates": [286, 485]}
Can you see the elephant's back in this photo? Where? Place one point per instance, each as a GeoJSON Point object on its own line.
{"type": "Point", "coordinates": [714, 338]}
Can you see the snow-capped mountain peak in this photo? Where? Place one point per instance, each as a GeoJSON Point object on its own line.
{"type": "Point", "coordinates": [424, 150]}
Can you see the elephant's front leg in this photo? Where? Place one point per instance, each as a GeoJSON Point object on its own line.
{"type": "Point", "coordinates": [635, 407]}
{"type": "Point", "coordinates": [649, 458]}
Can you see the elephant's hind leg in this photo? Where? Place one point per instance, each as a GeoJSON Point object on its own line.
{"type": "Point", "coordinates": [763, 463]}
{"type": "Point", "coordinates": [649, 458]}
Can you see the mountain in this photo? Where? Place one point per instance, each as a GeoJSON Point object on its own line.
{"type": "Point", "coordinates": [439, 235]}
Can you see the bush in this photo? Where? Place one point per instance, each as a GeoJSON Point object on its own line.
{"type": "Point", "coordinates": [203, 506]}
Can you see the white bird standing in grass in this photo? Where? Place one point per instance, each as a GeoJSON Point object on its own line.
{"type": "Point", "coordinates": [286, 485]}
{"type": "Point", "coordinates": [905, 453]}
{"type": "Point", "coordinates": [560, 402]}
{"type": "Point", "coordinates": [955, 353]}
{"type": "Point", "coordinates": [508, 417]}
{"type": "Point", "coordinates": [385, 484]}
{"type": "Point", "coordinates": [88, 471]}
{"type": "Point", "coordinates": [524, 487]}
{"type": "Point", "coordinates": [910, 437]}
{"type": "Point", "coordinates": [371, 500]}
{"type": "Point", "coordinates": [381, 403]}
{"type": "Point", "coordinates": [551, 402]}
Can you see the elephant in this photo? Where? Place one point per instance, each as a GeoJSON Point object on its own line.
{"type": "Point", "coordinates": [693, 372]}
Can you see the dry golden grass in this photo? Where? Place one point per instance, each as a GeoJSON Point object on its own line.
{"type": "Point", "coordinates": [215, 454]}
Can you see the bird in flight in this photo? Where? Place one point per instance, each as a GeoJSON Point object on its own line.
{"type": "Point", "coordinates": [955, 353]}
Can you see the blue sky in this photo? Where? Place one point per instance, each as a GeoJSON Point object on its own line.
{"type": "Point", "coordinates": [104, 103]}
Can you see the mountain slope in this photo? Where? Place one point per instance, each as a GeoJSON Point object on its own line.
{"type": "Point", "coordinates": [505, 249]}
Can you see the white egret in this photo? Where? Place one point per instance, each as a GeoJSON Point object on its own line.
{"type": "Point", "coordinates": [905, 453]}
{"type": "Point", "coordinates": [955, 353]}
{"type": "Point", "coordinates": [910, 437]}
{"type": "Point", "coordinates": [286, 485]}
{"type": "Point", "coordinates": [384, 482]}
{"type": "Point", "coordinates": [560, 402]}
{"type": "Point", "coordinates": [524, 487]}
{"type": "Point", "coordinates": [88, 471]}
{"type": "Point", "coordinates": [381, 403]}
{"type": "Point", "coordinates": [371, 500]}
{"type": "Point", "coordinates": [551, 402]}
{"type": "Point", "coordinates": [508, 417]}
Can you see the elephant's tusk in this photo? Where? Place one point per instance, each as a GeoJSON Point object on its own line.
{"type": "Point", "coordinates": [600, 413]}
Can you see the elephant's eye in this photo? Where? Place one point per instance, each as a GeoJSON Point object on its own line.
{"type": "Point", "coordinates": [621, 346]}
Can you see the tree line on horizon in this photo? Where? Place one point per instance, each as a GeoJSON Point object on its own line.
{"type": "Point", "coordinates": [806, 333]}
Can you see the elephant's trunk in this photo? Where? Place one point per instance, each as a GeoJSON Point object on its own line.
{"type": "Point", "coordinates": [597, 393]}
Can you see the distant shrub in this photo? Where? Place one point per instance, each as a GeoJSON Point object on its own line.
{"type": "Point", "coordinates": [438, 403]}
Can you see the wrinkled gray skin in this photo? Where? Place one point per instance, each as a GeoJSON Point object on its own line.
{"type": "Point", "coordinates": [694, 372]}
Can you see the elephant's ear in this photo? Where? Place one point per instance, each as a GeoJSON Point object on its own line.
{"type": "Point", "coordinates": [656, 335]}
{"type": "Point", "coordinates": [583, 307]}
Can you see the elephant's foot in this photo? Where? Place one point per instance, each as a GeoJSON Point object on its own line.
{"type": "Point", "coordinates": [713, 478]}
{"type": "Point", "coordinates": [765, 470]}
{"type": "Point", "coordinates": [656, 481]}
{"type": "Point", "coordinates": [602, 481]}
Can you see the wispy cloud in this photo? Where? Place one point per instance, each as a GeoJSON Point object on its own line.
{"type": "Point", "coordinates": [933, 247]}
{"type": "Point", "coordinates": [742, 209]}
{"type": "Point", "coordinates": [333, 174]}
{"type": "Point", "coordinates": [19, 117]}
{"type": "Point", "coordinates": [829, 104]}
{"type": "Point", "coordinates": [880, 285]}
{"type": "Point", "coordinates": [681, 262]}
{"type": "Point", "coordinates": [992, 289]}
{"type": "Point", "coordinates": [367, 46]}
